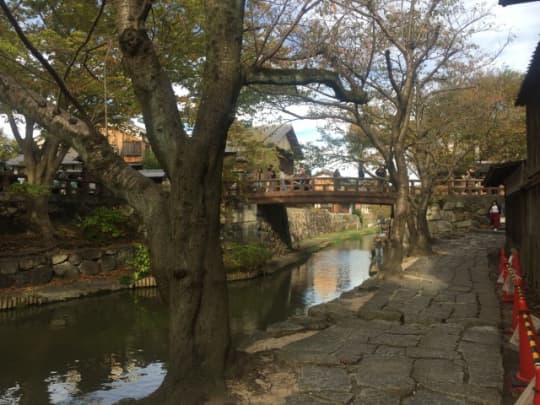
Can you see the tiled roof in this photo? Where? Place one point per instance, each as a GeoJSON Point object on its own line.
{"type": "Point", "coordinates": [71, 158]}
{"type": "Point", "coordinates": [530, 88]}
{"type": "Point", "coordinates": [510, 2]}
{"type": "Point", "coordinates": [281, 136]}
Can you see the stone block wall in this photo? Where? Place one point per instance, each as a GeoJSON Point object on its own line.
{"type": "Point", "coordinates": [458, 214]}
{"type": "Point", "coordinates": [308, 223]}
{"type": "Point", "coordinates": [248, 225]}
{"type": "Point", "coordinates": [19, 271]}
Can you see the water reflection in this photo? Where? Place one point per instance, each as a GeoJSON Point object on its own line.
{"type": "Point", "coordinates": [102, 349]}
{"type": "Point", "coordinates": [257, 303]}
{"type": "Point", "coordinates": [59, 352]}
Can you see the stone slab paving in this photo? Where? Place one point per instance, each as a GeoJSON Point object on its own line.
{"type": "Point", "coordinates": [429, 337]}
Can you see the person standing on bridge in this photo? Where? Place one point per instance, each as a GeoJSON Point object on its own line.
{"type": "Point", "coordinates": [270, 174]}
{"type": "Point", "coordinates": [259, 175]}
{"type": "Point", "coordinates": [337, 175]}
{"type": "Point", "coordinates": [282, 180]}
{"type": "Point", "coordinates": [381, 174]}
{"type": "Point", "coordinates": [361, 173]}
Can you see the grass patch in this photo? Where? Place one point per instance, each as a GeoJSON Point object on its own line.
{"type": "Point", "coordinates": [245, 257]}
{"type": "Point", "coordinates": [339, 237]}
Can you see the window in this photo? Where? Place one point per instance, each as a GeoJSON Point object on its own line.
{"type": "Point", "coordinates": [132, 149]}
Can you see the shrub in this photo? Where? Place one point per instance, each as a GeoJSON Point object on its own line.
{"type": "Point", "coordinates": [104, 224]}
{"type": "Point", "coordinates": [140, 262]}
{"type": "Point", "coordinates": [358, 213]}
{"type": "Point", "coordinates": [34, 190]}
{"type": "Point", "coordinates": [246, 257]}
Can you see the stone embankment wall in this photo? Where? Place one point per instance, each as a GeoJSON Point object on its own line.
{"type": "Point", "coordinates": [19, 271]}
{"type": "Point", "coordinates": [459, 214]}
{"type": "Point", "coordinates": [308, 223]}
{"type": "Point", "coordinates": [249, 225]}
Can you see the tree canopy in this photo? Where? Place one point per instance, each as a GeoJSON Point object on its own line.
{"type": "Point", "coordinates": [8, 147]}
{"type": "Point", "coordinates": [209, 49]}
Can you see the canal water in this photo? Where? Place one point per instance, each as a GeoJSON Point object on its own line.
{"type": "Point", "coordinates": [99, 350]}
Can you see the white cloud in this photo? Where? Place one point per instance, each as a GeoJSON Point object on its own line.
{"type": "Point", "coordinates": [520, 20]}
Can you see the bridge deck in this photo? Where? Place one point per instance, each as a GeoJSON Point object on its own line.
{"type": "Point", "coordinates": [344, 190]}
{"type": "Point", "coordinates": [321, 190]}
{"type": "Point", "coordinates": [322, 197]}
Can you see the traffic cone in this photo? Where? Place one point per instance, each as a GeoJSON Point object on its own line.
{"type": "Point", "coordinates": [502, 255]}
{"type": "Point", "coordinates": [508, 290]}
{"type": "Point", "coordinates": [503, 270]}
{"type": "Point", "coordinates": [518, 295]}
{"type": "Point", "coordinates": [536, 400]}
{"type": "Point", "coordinates": [528, 347]}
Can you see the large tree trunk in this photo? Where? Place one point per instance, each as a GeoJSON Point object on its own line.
{"type": "Point", "coordinates": [184, 228]}
{"type": "Point", "coordinates": [37, 214]}
{"type": "Point", "coordinates": [185, 252]}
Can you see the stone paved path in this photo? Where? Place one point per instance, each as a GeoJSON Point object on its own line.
{"type": "Point", "coordinates": [430, 337]}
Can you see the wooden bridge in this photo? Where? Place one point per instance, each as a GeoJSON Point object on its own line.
{"type": "Point", "coordinates": [322, 190]}
{"type": "Point", "coordinates": [343, 190]}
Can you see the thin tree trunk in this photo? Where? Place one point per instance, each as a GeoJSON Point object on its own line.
{"type": "Point", "coordinates": [424, 241]}
{"type": "Point", "coordinates": [420, 238]}
{"type": "Point", "coordinates": [394, 254]}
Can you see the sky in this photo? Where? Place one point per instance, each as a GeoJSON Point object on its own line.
{"type": "Point", "coordinates": [522, 21]}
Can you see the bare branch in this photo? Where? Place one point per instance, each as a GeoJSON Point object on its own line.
{"type": "Point", "coordinates": [270, 54]}
{"type": "Point", "coordinates": [389, 69]}
{"type": "Point", "coordinates": [87, 39]}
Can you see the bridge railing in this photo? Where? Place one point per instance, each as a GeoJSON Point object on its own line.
{"type": "Point", "coordinates": [460, 187]}
{"type": "Point", "coordinates": [310, 184]}
{"type": "Point", "coordinates": [353, 184]}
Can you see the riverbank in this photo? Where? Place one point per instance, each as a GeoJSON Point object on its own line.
{"type": "Point", "coordinates": [103, 283]}
{"type": "Point", "coordinates": [429, 336]}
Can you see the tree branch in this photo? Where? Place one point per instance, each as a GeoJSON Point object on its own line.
{"type": "Point", "coordinates": [291, 77]}
{"type": "Point", "coordinates": [269, 55]}
{"type": "Point", "coordinates": [43, 61]}
{"type": "Point", "coordinates": [85, 42]}
{"type": "Point", "coordinates": [94, 149]}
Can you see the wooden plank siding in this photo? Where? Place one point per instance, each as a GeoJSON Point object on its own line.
{"type": "Point", "coordinates": [524, 204]}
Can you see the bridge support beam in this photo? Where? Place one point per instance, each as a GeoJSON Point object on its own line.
{"type": "Point", "coordinates": [276, 216]}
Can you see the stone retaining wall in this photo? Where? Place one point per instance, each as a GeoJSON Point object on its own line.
{"type": "Point", "coordinates": [247, 225]}
{"type": "Point", "coordinates": [19, 271]}
{"type": "Point", "coordinates": [308, 223]}
{"type": "Point", "coordinates": [459, 214]}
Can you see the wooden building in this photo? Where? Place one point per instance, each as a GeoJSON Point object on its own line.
{"type": "Point", "coordinates": [284, 139]}
{"type": "Point", "coordinates": [128, 142]}
{"type": "Point", "coordinates": [525, 204]}
{"type": "Point", "coordinates": [522, 181]}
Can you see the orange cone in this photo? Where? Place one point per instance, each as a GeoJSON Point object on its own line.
{"type": "Point", "coordinates": [503, 270]}
{"type": "Point", "coordinates": [528, 347]}
{"type": "Point", "coordinates": [518, 294]}
{"type": "Point", "coordinates": [508, 289]}
{"type": "Point", "coordinates": [536, 400]}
